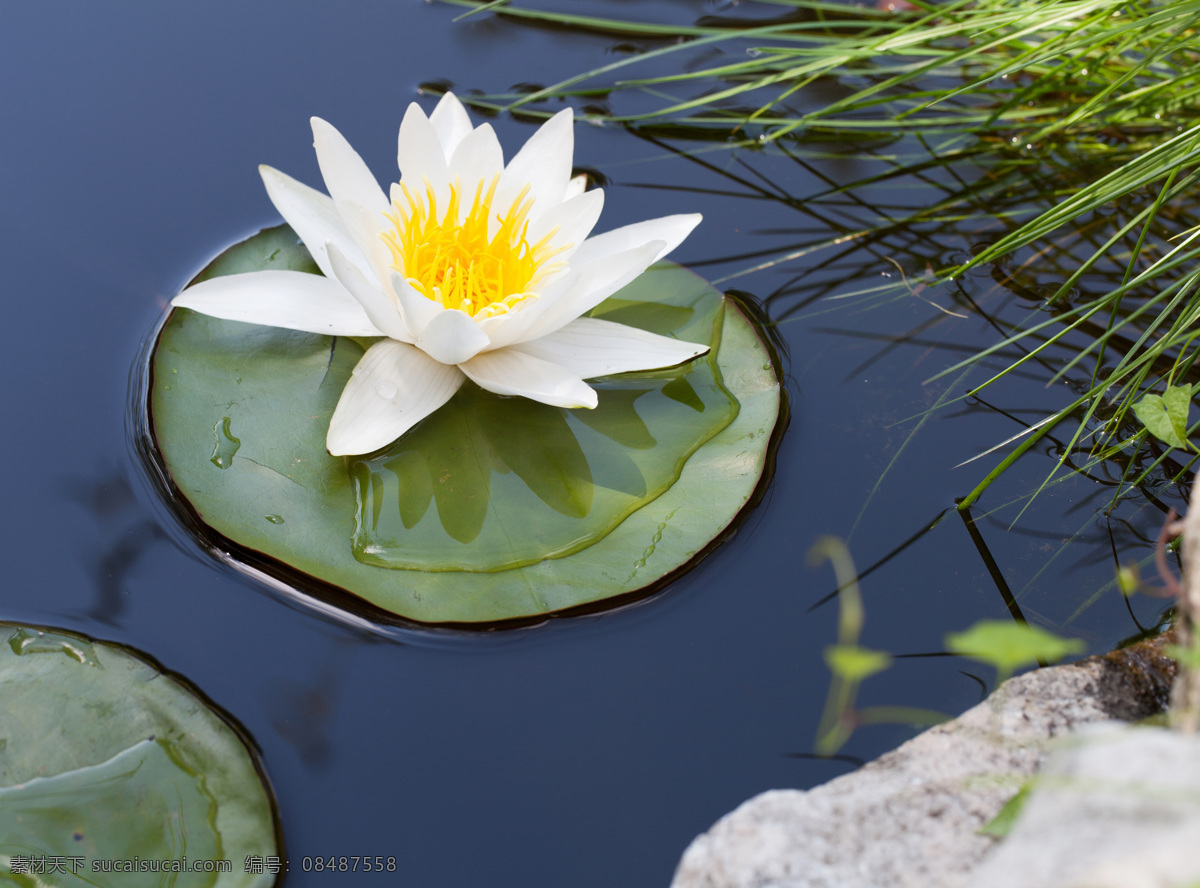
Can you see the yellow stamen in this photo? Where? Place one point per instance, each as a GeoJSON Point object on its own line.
{"type": "Point", "coordinates": [456, 263]}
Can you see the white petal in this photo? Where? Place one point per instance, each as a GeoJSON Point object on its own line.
{"type": "Point", "coordinates": [364, 227]}
{"type": "Point", "coordinates": [312, 215]}
{"type": "Point", "coordinates": [417, 310]}
{"type": "Point", "coordinates": [384, 313]}
{"type": "Point", "coordinates": [452, 337]}
{"type": "Point", "coordinates": [591, 348]}
{"type": "Point", "coordinates": [450, 122]}
{"type": "Point", "coordinates": [669, 229]}
{"type": "Point", "coordinates": [290, 299]}
{"type": "Point", "coordinates": [543, 163]}
{"type": "Point", "coordinates": [509, 372]}
{"type": "Point", "coordinates": [478, 158]}
{"type": "Point", "coordinates": [393, 388]}
{"type": "Point", "coordinates": [576, 186]}
{"type": "Point", "coordinates": [574, 219]}
{"type": "Point", "coordinates": [346, 175]}
{"type": "Point", "coordinates": [581, 290]}
{"type": "Point", "coordinates": [421, 158]}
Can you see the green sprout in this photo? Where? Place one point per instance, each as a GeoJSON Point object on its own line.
{"type": "Point", "coordinates": [850, 663]}
{"type": "Point", "coordinates": [1010, 646]}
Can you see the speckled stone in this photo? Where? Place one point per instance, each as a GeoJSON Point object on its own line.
{"type": "Point", "coordinates": [1115, 807]}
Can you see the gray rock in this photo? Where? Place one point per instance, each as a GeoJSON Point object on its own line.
{"type": "Point", "coordinates": [911, 817]}
{"type": "Point", "coordinates": [1117, 807]}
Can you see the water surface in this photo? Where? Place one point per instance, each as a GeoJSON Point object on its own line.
{"type": "Point", "coordinates": [586, 752]}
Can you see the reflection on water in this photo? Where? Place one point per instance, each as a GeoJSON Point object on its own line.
{"type": "Point", "coordinates": [128, 533]}
{"type": "Point", "coordinates": [860, 245]}
{"type": "Point", "coordinates": [301, 709]}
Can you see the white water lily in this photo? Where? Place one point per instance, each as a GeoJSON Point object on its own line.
{"type": "Point", "coordinates": [471, 270]}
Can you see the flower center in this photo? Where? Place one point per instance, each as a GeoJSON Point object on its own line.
{"type": "Point", "coordinates": [469, 260]}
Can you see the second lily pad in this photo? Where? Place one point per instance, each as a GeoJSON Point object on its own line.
{"type": "Point", "coordinates": [105, 761]}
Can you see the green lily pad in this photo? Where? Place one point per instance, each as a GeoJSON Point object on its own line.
{"type": "Point", "coordinates": [494, 508]}
{"type": "Point", "coordinates": [114, 773]}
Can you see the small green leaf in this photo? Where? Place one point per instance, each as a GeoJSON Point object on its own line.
{"type": "Point", "coordinates": [1009, 646]}
{"type": "Point", "coordinates": [854, 663]}
{"type": "Point", "coordinates": [1177, 400]}
{"type": "Point", "coordinates": [1001, 825]}
{"type": "Point", "coordinates": [1161, 417]}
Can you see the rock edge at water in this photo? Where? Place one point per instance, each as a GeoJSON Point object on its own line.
{"type": "Point", "coordinates": [911, 817]}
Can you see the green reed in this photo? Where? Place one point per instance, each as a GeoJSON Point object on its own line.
{"type": "Point", "coordinates": [1095, 100]}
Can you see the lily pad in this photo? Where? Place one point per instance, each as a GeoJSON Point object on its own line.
{"type": "Point", "coordinates": [114, 773]}
{"type": "Point", "coordinates": [493, 508]}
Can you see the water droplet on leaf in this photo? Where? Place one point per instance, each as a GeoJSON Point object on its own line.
{"type": "Point", "coordinates": [225, 446]}
{"type": "Point", "coordinates": [24, 642]}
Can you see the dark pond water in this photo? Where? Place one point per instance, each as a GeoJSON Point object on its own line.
{"type": "Point", "coordinates": [589, 751]}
